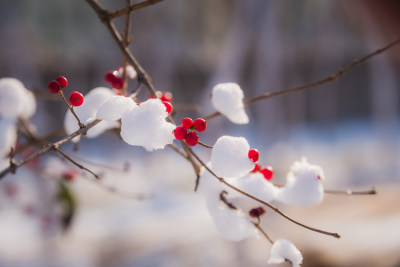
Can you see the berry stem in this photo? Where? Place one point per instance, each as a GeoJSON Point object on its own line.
{"type": "Point", "coordinates": [202, 144]}
{"type": "Point", "coordinates": [71, 108]}
{"type": "Point", "coordinates": [75, 163]}
{"type": "Point", "coordinates": [257, 225]}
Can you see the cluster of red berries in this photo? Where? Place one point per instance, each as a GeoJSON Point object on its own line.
{"type": "Point", "coordinates": [257, 212]}
{"type": "Point", "coordinates": [188, 128]}
{"type": "Point", "coordinates": [268, 173]}
{"type": "Point", "coordinates": [55, 86]}
{"type": "Point", "coordinates": [114, 80]}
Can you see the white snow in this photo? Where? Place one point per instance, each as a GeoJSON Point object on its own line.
{"type": "Point", "coordinates": [256, 185]}
{"type": "Point", "coordinates": [130, 71]}
{"type": "Point", "coordinates": [146, 126]}
{"type": "Point", "coordinates": [282, 250]}
{"type": "Point", "coordinates": [87, 113]}
{"type": "Point", "coordinates": [114, 107]}
{"type": "Point", "coordinates": [303, 185]}
{"type": "Point", "coordinates": [15, 99]}
{"type": "Point", "coordinates": [227, 98]}
{"type": "Point", "coordinates": [8, 136]}
{"type": "Point", "coordinates": [231, 223]}
{"type": "Point", "coordinates": [229, 157]}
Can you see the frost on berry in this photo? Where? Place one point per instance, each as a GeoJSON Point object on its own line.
{"type": "Point", "coordinates": [283, 250]}
{"type": "Point", "coordinates": [233, 224]}
{"type": "Point", "coordinates": [303, 185]}
{"type": "Point", "coordinates": [113, 107]}
{"type": "Point", "coordinates": [229, 157]}
{"type": "Point", "coordinates": [180, 132]}
{"type": "Point", "coordinates": [8, 136]}
{"type": "Point", "coordinates": [130, 72]}
{"type": "Point", "coordinates": [15, 100]}
{"type": "Point", "coordinates": [87, 113]}
{"type": "Point", "coordinates": [146, 126]}
{"type": "Point", "coordinates": [191, 139]}
{"type": "Point", "coordinates": [227, 98]}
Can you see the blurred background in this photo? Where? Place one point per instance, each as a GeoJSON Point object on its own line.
{"type": "Point", "coordinates": [349, 127]}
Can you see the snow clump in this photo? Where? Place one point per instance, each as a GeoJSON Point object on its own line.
{"type": "Point", "coordinates": [15, 100]}
{"type": "Point", "coordinates": [87, 113]}
{"type": "Point", "coordinates": [303, 185]}
{"type": "Point", "coordinates": [227, 98]}
{"type": "Point", "coordinates": [282, 250]}
{"type": "Point", "coordinates": [232, 224]}
{"type": "Point", "coordinates": [145, 125]}
{"type": "Point", "coordinates": [229, 157]}
{"type": "Point", "coordinates": [114, 107]}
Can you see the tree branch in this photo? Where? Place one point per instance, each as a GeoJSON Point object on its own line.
{"type": "Point", "coordinates": [50, 147]}
{"type": "Point", "coordinates": [114, 14]}
{"type": "Point", "coordinates": [328, 79]}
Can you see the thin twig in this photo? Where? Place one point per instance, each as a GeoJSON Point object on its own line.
{"type": "Point", "coordinates": [129, 9]}
{"type": "Point", "coordinates": [50, 147]}
{"type": "Point", "coordinates": [80, 166]}
{"type": "Point", "coordinates": [202, 144]}
{"type": "Point", "coordinates": [328, 79]}
{"type": "Point", "coordinates": [336, 235]}
{"type": "Point", "coordinates": [71, 108]}
{"type": "Point", "coordinates": [126, 41]}
{"type": "Point", "coordinates": [257, 225]}
{"type": "Point", "coordinates": [347, 192]}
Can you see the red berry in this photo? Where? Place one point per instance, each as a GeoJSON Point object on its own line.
{"type": "Point", "coordinates": [257, 167]}
{"type": "Point", "coordinates": [69, 175]}
{"type": "Point", "coordinates": [168, 106]}
{"type": "Point", "coordinates": [257, 212]}
{"type": "Point", "coordinates": [62, 81]}
{"type": "Point", "coordinates": [167, 96]}
{"type": "Point", "coordinates": [117, 83]}
{"type": "Point", "coordinates": [180, 132]}
{"type": "Point", "coordinates": [76, 99]}
{"type": "Point", "coordinates": [200, 125]}
{"type": "Point", "coordinates": [254, 155]}
{"type": "Point", "coordinates": [53, 87]}
{"type": "Point", "coordinates": [187, 122]}
{"type": "Point", "coordinates": [109, 77]}
{"type": "Point", "coordinates": [268, 173]}
{"type": "Point", "coordinates": [191, 139]}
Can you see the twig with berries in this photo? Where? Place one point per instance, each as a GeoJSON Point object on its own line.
{"type": "Point", "coordinates": [76, 98]}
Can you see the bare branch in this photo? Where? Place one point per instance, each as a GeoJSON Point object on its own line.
{"type": "Point", "coordinates": [12, 168]}
{"type": "Point", "coordinates": [80, 166]}
{"type": "Point", "coordinates": [328, 79]}
{"type": "Point", "coordinates": [132, 8]}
